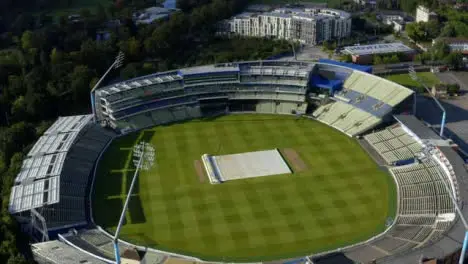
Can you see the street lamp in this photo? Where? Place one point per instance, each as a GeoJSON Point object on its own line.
{"type": "Point", "coordinates": [415, 77]}
{"type": "Point", "coordinates": [118, 62]}
{"type": "Point", "coordinates": [143, 154]}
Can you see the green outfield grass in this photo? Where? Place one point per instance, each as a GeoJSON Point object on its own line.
{"type": "Point", "coordinates": [343, 197]}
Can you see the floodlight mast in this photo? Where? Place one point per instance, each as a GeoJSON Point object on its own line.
{"type": "Point", "coordinates": [414, 76]}
{"type": "Point", "coordinates": [115, 65]}
{"type": "Point", "coordinates": [144, 153]}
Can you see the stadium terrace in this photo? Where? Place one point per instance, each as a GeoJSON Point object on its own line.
{"type": "Point", "coordinates": [52, 195]}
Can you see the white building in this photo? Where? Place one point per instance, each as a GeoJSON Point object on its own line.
{"type": "Point", "coordinates": [455, 44]}
{"type": "Point", "coordinates": [308, 26]}
{"type": "Point", "coordinates": [396, 21]}
{"type": "Point", "coordinates": [423, 14]}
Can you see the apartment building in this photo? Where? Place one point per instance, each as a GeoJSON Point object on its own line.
{"type": "Point", "coordinates": [308, 26]}
{"type": "Point", "coordinates": [423, 14]}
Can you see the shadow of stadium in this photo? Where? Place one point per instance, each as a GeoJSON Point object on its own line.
{"type": "Point", "coordinates": [115, 204]}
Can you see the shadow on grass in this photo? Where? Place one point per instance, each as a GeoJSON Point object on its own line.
{"type": "Point", "coordinates": [135, 208]}
{"type": "Point", "coordinates": [109, 213]}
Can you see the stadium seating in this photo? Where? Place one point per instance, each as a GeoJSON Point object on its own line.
{"type": "Point", "coordinates": [58, 252]}
{"type": "Point", "coordinates": [361, 104]}
{"type": "Point", "coordinates": [93, 241]}
{"type": "Point", "coordinates": [346, 118]}
{"type": "Point", "coordinates": [422, 200]}
{"type": "Point", "coordinates": [383, 90]}
{"type": "Point", "coordinates": [100, 244]}
{"type": "Point", "coordinates": [282, 83]}
{"type": "Point", "coordinates": [393, 144]}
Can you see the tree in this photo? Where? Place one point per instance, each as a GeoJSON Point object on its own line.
{"type": "Point", "coordinates": [454, 60]}
{"type": "Point", "coordinates": [377, 60]}
{"type": "Point", "coordinates": [387, 60]}
{"type": "Point", "coordinates": [131, 48]}
{"type": "Point", "coordinates": [80, 80]}
{"type": "Point", "coordinates": [17, 259]}
{"type": "Point", "coordinates": [101, 14]}
{"type": "Point", "coordinates": [394, 59]}
{"type": "Point", "coordinates": [129, 71]}
{"type": "Point", "coordinates": [18, 109]}
{"type": "Point", "coordinates": [453, 89]}
{"type": "Point", "coordinates": [56, 56]}
{"type": "Point", "coordinates": [27, 40]}
{"type": "Point", "coordinates": [415, 31]}
{"type": "Point", "coordinates": [439, 50]}
{"type": "Point", "coordinates": [431, 29]}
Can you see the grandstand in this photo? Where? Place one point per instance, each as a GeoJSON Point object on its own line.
{"type": "Point", "coordinates": [362, 104]}
{"type": "Point", "coordinates": [54, 177]}
{"type": "Point", "coordinates": [394, 144]}
{"type": "Point", "coordinates": [425, 213]}
{"type": "Point", "coordinates": [264, 87]}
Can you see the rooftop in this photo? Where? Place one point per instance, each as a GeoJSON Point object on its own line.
{"type": "Point", "coordinates": [418, 127]}
{"type": "Point", "coordinates": [41, 167]}
{"type": "Point", "coordinates": [208, 69]}
{"type": "Point", "coordinates": [298, 13]}
{"type": "Point", "coordinates": [377, 49]}
{"type": "Point", "coordinates": [68, 124]}
{"type": "Point", "coordinates": [34, 194]}
{"type": "Point", "coordinates": [37, 183]}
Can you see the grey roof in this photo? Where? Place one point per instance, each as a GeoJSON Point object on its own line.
{"type": "Point", "coordinates": [37, 183]}
{"type": "Point", "coordinates": [58, 252]}
{"type": "Point", "coordinates": [68, 124]}
{"type": "Point", "coordinates": [377, 49]}
{"type": "Point", "coordinates": [53, 143]}
{"type": "Point", "coordinates": [34, 194]}
{"type": "Point", "coordinates": [41, 167]}
{"type": "Point", "coordinates": [277, 70]}
{"type": "Point", "coordinates": [157, 78]}
{"type": "Point", "coordinates": [417, 126]}
{"type": "Point", "coordinates": [310, 13]}
{"type": "Point", "coordinates": [208, 69]}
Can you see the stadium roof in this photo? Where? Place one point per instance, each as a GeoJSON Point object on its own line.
{"type": "Point", "coordinates": [53, 143]}
{"type": "Point", "coordinates": [56, 251]}
{"type": "Point", "coordinates": [37, 183]}
{"type": "Point", "coordinates": [156, 78]}
{"type": "Point", "coordinates": [377, 49]}
{"type": "Point", "coordinates": [418, 127]}
{"type": "Point", "coordinates": [41, 167]}
{"type": "Point", "coordinates": [353, 66]}
{"type": "Point", "coordinates": [68, 124]}
{"type": "Point", "coordinates": [34, 194]}
{"type": "Point", "coordinates": [277, 70]}
{"type": "Point", "coordinates": [209, 69]}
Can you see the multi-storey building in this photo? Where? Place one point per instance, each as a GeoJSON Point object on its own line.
{"type": "Point", "coordinates": [423, 14]}
{"type": "Point", "coordinates": [308, 26]}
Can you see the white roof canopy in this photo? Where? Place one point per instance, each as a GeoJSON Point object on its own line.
{"type": "Point", "coordinates": [38, 182]}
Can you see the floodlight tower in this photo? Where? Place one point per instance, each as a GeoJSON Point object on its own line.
{"type": "Point", "coordinates": [414, 76]}
{"type": "Point", "coordinates": [143, 154]}
{"type": "Point", "coordinates": [115, 65]}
